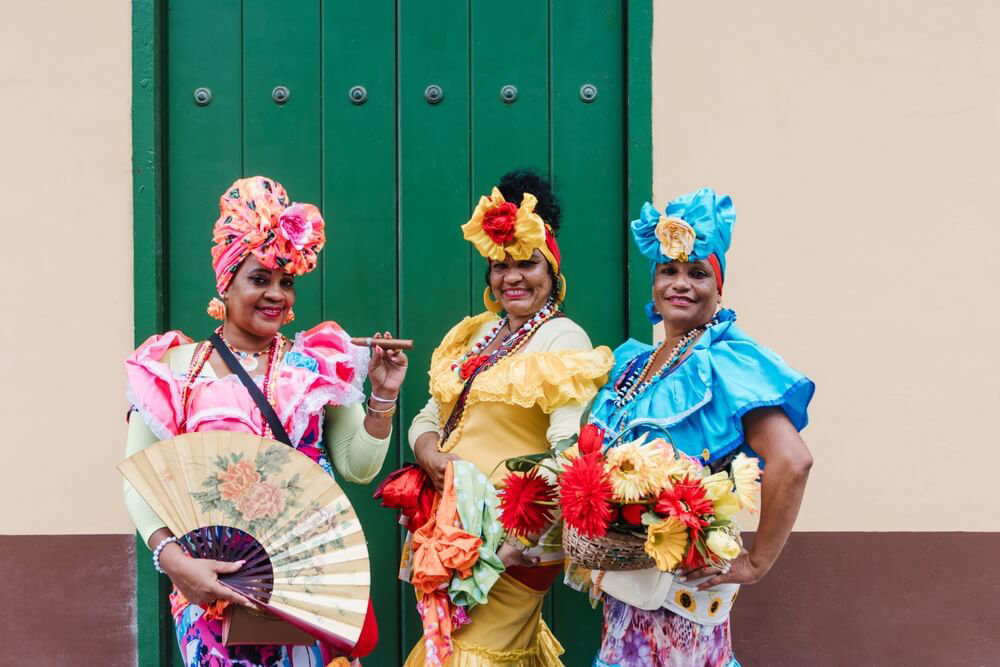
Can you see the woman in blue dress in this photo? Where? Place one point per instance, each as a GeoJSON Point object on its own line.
{"type": "Point", "coordinates": [716, 392]}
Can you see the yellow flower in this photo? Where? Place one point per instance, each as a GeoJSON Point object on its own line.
{"type": "Point", "coordinates": [746, 472]}
{"type": "Point", "coordinates": [522, 230]}
{"type": "Point", "coordinates": [665, 543]}
{"type": "Point", "coordinates": [717, 485]}
{"type": "Point", "coordinates": [676, 238]}
{"type": "Point", "coordinates": [636, 470]}
{"type": "Point", "coordinates": [727, 506]}
{"type": "Point", "coordinates": [722, 544]}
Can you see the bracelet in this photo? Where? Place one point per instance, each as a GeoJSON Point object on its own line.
{"type": "Point", "coordinates": [383, 400]}
{"type": "Point", "coordinates": [159, 549]}
{"type": "Point", "coordinates": [380, 414]}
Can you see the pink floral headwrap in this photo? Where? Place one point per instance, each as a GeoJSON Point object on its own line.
{"type": "Point", "coordinates": [256, 216]}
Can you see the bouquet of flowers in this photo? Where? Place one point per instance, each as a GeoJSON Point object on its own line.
{"type": "Point", "coordinates": [635, 504]}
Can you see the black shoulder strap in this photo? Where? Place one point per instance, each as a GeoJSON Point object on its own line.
{"type": "Point", "coordinates": [266, 411]}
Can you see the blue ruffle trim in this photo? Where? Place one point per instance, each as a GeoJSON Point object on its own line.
{"type": "Point", "coordinates": [700, 405]}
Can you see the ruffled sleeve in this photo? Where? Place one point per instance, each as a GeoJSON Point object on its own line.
{"type": "Point", "coordinates": [702, 402]}
{"type": "Point", "coordinates": [322, 368]}
{"type": "Point", "coordinates": [152, 388]}
{"type": "Point", "coordinates": [547, 379]}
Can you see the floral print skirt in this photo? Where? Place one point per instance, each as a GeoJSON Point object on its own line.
{"type": "Point", "coordinates": [200, 641]}
{"type": "Point", "coordinates": [634, 637]}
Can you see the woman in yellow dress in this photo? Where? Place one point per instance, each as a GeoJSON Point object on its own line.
{"type": "Point", "coordinates": [509, 382]}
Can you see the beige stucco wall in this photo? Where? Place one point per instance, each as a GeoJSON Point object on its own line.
{"type": "Point", "coordinates": [856, 138]}
{"type": "Point", "coordinates": [65, 182]}
{"type": "Point", "coordinates": [859, 141]}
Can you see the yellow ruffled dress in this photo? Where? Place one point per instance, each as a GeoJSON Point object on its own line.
{"type": "Point", "coordinates": [523, 405]}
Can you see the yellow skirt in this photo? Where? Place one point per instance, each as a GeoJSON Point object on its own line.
{"type": "Point", "coordinates": [507, 631]}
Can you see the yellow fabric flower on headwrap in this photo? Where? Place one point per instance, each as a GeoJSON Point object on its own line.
{"type": "Point", "coordinates": [498, 227]}
{"type": "Point", "coordinates": [676, 238]}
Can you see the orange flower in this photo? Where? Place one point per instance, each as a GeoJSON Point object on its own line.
{"type": "Point", "coordinates": [237, 479]}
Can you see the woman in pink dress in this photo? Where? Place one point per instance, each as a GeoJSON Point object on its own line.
{"type": "Point", "coordinates": [313, 382]}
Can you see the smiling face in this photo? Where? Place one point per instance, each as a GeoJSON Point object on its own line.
{"type": "Point", "coordinates": [521, 286]}
{"type": "Point", "coordinates": [685, 294]}
{"type": "Point", "coordinates": [259, 298]}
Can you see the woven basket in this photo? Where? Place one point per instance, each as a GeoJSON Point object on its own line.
{"type": "Point", "coordinates": [614, 551]}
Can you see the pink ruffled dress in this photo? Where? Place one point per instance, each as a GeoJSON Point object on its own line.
{"type": "Point", "coordinates": [322, 368]}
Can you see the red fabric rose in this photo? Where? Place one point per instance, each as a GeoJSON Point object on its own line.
{"type": "Point", "coordinates": [591, 439]}
{"type": "Point", "coordinates": [471, 365]}
{"type": "Point", "coordinates": [409, 490]}
{"type": "Point", "coordinates": [498, 223]}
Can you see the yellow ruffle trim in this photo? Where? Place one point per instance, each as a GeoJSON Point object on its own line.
{"type": "Point", "coordinates": [544, 652]}
{"type": "Point", "coordinates": [546, 379]}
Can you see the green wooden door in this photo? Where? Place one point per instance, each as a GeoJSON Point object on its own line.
{"type": "Point", "coordinates": [392, 116]}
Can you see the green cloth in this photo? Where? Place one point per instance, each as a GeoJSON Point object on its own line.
{"type": "Point", "coordinates": [477, 508]}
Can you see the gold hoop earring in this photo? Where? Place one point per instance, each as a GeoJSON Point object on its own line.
{"type": "Point", "coordinates": [491, 304]}
{"type": "Point", "coordinates": [562, 288]}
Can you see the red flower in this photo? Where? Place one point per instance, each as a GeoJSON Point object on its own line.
{"type": "Point", "coordinates": [526, 503]}
{"type": "Point", "coordinates": [686, 500]}
{"type": "Point", "coordinates": [585, 496]}
{"type": "Point", "coordinates": [471, 365]}
{"type": "Point", "coordinates": [693, 560]}
{"type": "Point", "coordinates": [591, 439]}
{"type": "Point", "coordinates": [498, 223]}
{"type": "Point", "coordinates": [633, 514]}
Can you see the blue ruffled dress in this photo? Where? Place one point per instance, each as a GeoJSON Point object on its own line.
{"type": "Point", "coordinates": [700, 405]}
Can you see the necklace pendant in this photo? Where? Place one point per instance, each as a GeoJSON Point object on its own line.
{"type": "Point", "coordinates": [249, 363]}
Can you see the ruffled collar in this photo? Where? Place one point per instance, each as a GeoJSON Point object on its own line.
{"type": "Point", "coordinates": [670, 400]}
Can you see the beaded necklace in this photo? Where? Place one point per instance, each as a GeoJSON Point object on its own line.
{"type": "Point", "coordinates": [205, 351]}
{"type": "Point", "coordinates": [508, 346]}
{"type": "Point", "coordinates": [632, 384]}
{"type": "Point", "coordinates": [533, 323]}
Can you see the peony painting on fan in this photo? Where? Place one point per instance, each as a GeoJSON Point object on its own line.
{"type": "Point", "coordinates": [236, 496]}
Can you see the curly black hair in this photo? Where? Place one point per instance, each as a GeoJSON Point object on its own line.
{"type": "Point", "coordinates": [515, 183]}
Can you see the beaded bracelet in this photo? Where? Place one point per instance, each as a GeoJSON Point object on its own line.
{"type": "Point", "coordinates": [159, 549]}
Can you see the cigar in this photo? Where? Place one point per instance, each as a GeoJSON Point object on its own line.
{"type": "Point", "coordinates": [384, 343]}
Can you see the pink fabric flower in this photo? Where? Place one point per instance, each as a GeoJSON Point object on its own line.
{"type": "Point", "coordinates": [295, 224]}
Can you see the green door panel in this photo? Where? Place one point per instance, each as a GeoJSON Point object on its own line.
{"type": "Point", "coordinates": [588, 169]}
{"type": "Point", "coordinates": [395, 175]}
{"type": "Point", "coordinates": [281, 50]}
{"type": "Point", "coordinates": [360, 259]}
{"type": "Point", "coordinates": [434, 195]}
{"type": "Point", "coordinates": [204, 149]}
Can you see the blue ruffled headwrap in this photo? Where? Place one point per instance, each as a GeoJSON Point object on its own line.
{"type": "Point", "coordinates": [712, 218]}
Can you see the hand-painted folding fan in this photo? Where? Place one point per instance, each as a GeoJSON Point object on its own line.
{"type": "Point", "coordinates": [237, 496]}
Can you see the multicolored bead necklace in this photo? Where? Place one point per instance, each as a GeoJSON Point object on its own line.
{"type": "Point", "coordinates": [523, 332]}
{"type": "Point", "coordinates": [633, 385]}
{"type": "Point", "coordinates": [205, 351]}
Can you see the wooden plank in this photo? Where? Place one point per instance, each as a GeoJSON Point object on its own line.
{"type": "Point", "coordinates": [639, 165]}
{"type": "Point", "coordinates": [588, 167]}
{"type": "Point", "coordinates": [281, 47]}
{"type": "Point", "coordinates": [152, 611]}
{"type": "Point", "coordinates": [205, 149]}
{"type": "Point", "coordinates": [434, 195]}
{"type": "Point", "coordinates": [507, 134]}
{"type": "Point", "coordinates": [360, 260]}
